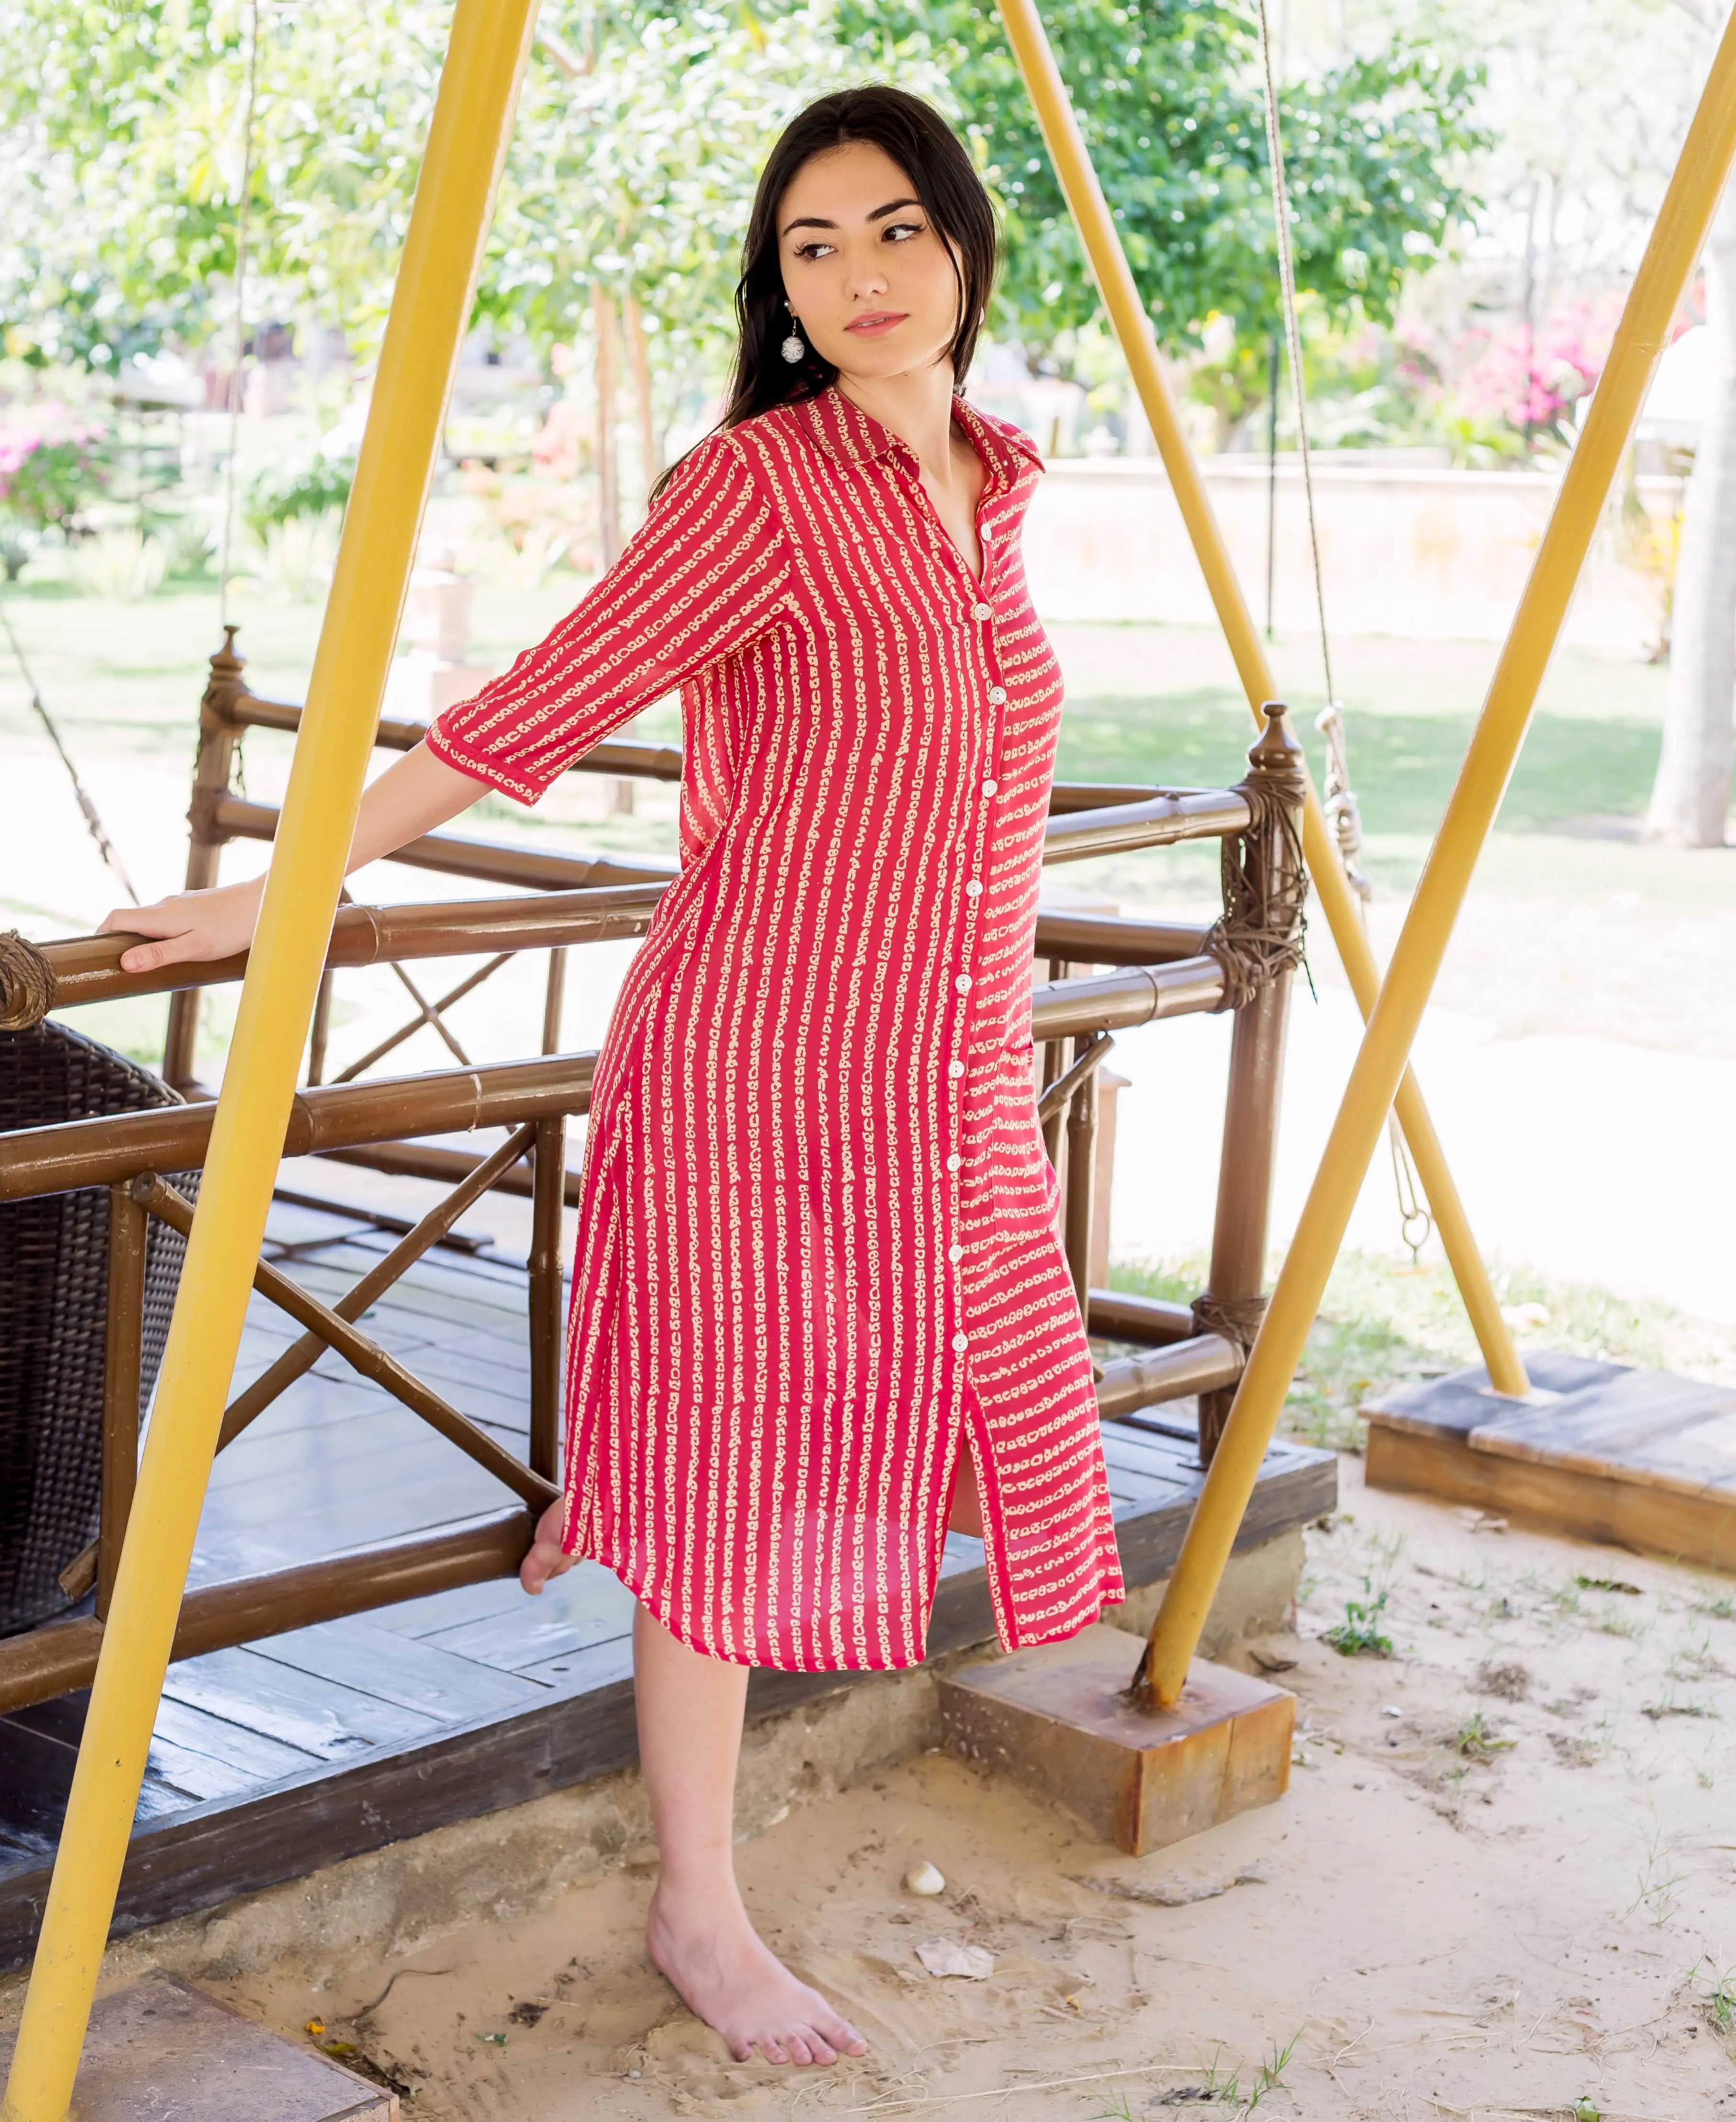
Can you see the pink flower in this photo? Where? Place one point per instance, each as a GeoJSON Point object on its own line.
{"type": "Point", "coordinates": [1531, 380]}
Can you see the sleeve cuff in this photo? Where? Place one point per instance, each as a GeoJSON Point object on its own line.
{"type": "Point", "coordinates": [480, 767]}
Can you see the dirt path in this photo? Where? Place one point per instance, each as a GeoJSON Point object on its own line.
{"type": "Point", "coordinates": [1500, 1884]}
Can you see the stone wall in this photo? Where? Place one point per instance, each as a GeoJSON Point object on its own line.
{"type": "Point", "coordinates": [1407, 550]}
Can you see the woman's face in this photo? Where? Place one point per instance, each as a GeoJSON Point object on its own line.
{"type": "Point", "coordinates": [872, 283]}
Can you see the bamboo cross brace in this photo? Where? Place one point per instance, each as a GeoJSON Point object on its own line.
{"type": "Point", "coordinates": [1059, 1094]}
{"type": "Point", "coordinates": [301, 1356]}
{"type": "Point", "coordinates": [428, 1012]}
{"type": "Point", "coordinates": [363, 1355]}
{"type": "Point", "coordinates": [78, 1575]}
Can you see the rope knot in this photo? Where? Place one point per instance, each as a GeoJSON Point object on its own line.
{"type": "Point", "coordinates": [27, 983]}
{"type": "Point", "coordinates": [1236, 1318]}
{"type": "Point", "coordinates": [1259, 936]}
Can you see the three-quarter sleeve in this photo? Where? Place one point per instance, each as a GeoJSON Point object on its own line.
{"type": "Point", "coordinates": [704, 576]}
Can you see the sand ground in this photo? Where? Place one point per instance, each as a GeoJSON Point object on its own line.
{"type": "Point", "coordinates": [1501, 1884]}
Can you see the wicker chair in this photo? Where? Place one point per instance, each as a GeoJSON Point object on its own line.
{"type": "Point", "coordinates": [53, 1289]}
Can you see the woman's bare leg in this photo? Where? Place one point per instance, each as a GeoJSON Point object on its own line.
{"type": "Point", "coordinates": [964, 1514]}
{"type": "Point", "coordinates": [690, 1710]}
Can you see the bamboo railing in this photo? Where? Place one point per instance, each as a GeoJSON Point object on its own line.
{"type": "Point", "coordinates": [1105, 975]}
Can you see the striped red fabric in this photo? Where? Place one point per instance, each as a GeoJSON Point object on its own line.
{"type": "Point", "coordinates": [818, 1240]}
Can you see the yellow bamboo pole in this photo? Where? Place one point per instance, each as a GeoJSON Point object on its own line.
{"type": "Point", "coordinates": [431, 309]}
{"type": "Point", "coordinates": [1132, 327]}
{"type": "Point", "coordinates": [1670, 256]}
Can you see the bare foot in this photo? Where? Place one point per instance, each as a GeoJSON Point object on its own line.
{"type": "Point", "coordinates": [728, 1977]}
{"type": "Point", "coordinates": [547, 1557]}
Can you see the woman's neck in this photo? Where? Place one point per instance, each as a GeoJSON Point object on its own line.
{"type": "Point", "coordinates": [917, 407]}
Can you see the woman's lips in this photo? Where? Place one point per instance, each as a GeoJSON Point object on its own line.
{"type": "Point", "coordinates": [881, 321]}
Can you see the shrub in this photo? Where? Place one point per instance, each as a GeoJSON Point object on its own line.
{"type": "Point", "coordinates": [52, 461]}
{"type": "Point", "coordinates": [310, 487]}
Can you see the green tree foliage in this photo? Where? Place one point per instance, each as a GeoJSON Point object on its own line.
{"type": "Point", "coordinates": [1170, 100]}
{"type": "Point", "coordinates": [633, 158]}
{"type": "Point", "coordinates": [638, 172]}
{"type": "Point", "coordinates": [639, 137]}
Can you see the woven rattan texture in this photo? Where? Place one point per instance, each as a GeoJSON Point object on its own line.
{"type": "Point", "coordinates": [54, 1295]}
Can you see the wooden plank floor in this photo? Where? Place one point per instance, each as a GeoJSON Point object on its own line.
{"type": "Point", "coordinates": [1639, 1458]}
{"type": "Point", "coordinates": [294, 1751]}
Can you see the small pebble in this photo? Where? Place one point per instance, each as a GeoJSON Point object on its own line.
{"type": "Point", "coordinates": [924, 1879]}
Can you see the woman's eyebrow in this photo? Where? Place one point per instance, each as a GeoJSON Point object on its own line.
{"type": "Point", "coordinates": [880, 214]}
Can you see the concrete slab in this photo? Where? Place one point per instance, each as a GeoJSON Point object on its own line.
{"type": "Point", "coordinates": [164, 2052]}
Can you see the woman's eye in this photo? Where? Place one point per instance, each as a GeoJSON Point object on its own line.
{"type": "Point", "coordinates": [901, 231]}
{"type": "Point", "coordinates": [815, 250]}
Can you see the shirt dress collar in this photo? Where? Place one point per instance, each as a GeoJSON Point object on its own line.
{"type": "Point", "coordinates": [844, 432]}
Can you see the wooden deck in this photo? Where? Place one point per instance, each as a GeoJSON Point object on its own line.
{"type": "Point", "coordinates": [1638, 1458]}
{"type": "Point", "coordinates": [301, 1749]}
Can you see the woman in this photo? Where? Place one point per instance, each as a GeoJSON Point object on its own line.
{"type": "Point", "coordinates": [820, 1310]}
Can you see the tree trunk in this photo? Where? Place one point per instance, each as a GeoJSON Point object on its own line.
{"type": "Point", "coordinates": [608, 486]}
{"type": "Point", "coordinates": [639, 354]}
{"type": "Point", "coordinates": [1690, 798]}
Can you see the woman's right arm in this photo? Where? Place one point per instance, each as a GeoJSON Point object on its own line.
{"type": "Point", "coordinates": [415, 794]}
{"type": "Point", "coordinates": [701, 578]}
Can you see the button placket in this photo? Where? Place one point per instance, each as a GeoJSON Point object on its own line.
{"type": "Point", "coordinates": [995, 694]}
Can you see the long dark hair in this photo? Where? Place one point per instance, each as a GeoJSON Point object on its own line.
{"type": "Point", "coordinates": [914, 136]}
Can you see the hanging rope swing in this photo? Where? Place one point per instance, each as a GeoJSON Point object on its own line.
{"type": "Point", "coordinates": [1338, 799]}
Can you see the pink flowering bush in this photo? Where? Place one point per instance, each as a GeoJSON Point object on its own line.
{"type": "Point", "coordinates": [52, 461]}
{"type": "Point", "coordinates": [1530, 381]}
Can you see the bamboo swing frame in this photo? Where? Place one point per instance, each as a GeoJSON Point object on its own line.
{"type": "Point", "coordinates": [485, 54]}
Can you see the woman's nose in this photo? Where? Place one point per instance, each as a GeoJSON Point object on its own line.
{"type": "Point", "coordinates": [867, 277]}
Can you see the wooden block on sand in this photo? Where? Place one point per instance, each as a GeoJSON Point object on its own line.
{"type": "Point", "coordinates": [161, 2052]}
{"type": "Point", "coordinates": [1058, 1720]}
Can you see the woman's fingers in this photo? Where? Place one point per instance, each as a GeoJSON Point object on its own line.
{"type": "Point", "coordinates": [192, 927]}
{"type": "Point", "coordinates": [174, 936]}
{"type": "Point", "coordinates": [170, 951]}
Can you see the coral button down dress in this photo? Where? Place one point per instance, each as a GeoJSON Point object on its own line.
{"type": "Point", "coordinates": [818, 1249]}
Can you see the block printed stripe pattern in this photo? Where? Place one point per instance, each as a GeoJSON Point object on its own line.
{"type": "Point", "coordinates": [818, 1244]}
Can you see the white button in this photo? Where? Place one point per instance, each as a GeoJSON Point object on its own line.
{"type": "Point", "coordinates": [955, 1254]}
{"type": "Point", "coordinates": [982, 611]}
{"type": "Point", "coordinates": [996, 694]}
{"type": "Point", "coordinates": [955, 1067]}
{"type": "Point", "coordinates": [984, 533]}
{"type": "Point", "coordinates": [953, 1162]}
{"type": "Point", "coordinates": [990, 787]}
{"type": "Point", "coordinates": [974, 889]}
{"type": "Point", "coordinates": [961, 1342]}
{"type": "Point", "coordinates": [963, 983]}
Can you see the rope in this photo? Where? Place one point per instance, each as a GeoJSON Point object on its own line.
{"type": "Point", "coordinates": [226, 551]}
{"type": "Point", "coordinates": [1236, 1318]}
{"type": "Point", "coordinates": [1339, 801]}
{"type": "Point", "coordinates": [105, 846]}
{"type": "Point", "coordinates": [26, 983]}
{"type": "Point", "coordinates": [1260, 935]}
{"type": "Point", "coordinates": [1293, 337]}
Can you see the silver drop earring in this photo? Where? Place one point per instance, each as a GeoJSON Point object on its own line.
{"type": "Point", "coordinates": [794, 349]}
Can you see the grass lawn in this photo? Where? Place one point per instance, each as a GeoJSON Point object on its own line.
{"type": "Point", "coordinates": [1383, 1322]}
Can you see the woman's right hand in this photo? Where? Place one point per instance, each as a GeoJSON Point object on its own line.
{"type": "Point", "coordinates": [415, 794]}
{"type": "Point", "coordinates": [192, 927]}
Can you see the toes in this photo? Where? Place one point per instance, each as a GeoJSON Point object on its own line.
{"type": "Point", "coordinates": [819, 2048]}
{"type": "Point", "coordinates": [839, 2033]}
